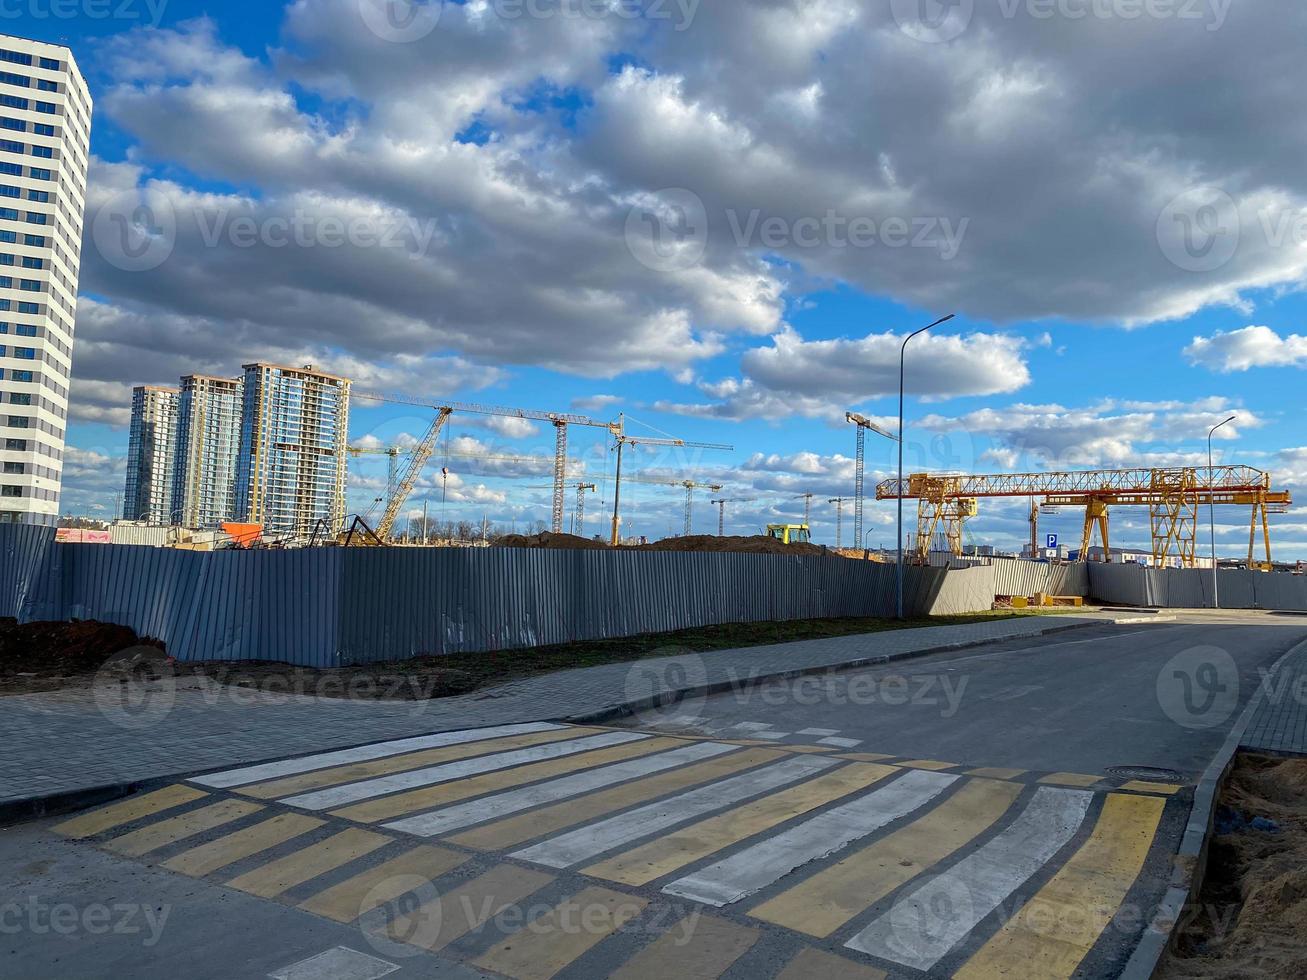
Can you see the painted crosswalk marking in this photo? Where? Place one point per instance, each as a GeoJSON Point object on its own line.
{"type": "Point", "coordinates": [128, 811]}
{"type": "Point", "coordinates": [308, 863]}
{"type": "Point", "coordinates": [1052, 934]}
{"type": "Point", "coordinates": [287, 767]}
{"type": "Point", "coordinates": [373, 888]}
{"type": "Point", "coordinates": [504, 834]}
{"type": "Point", "coordinates": [439, 922]}
{"type": "Point", "coordinates": [771, 859]}
{"type": "Point", "coordinates": [823, 903]}
{"type": "Point", "coordinates": [699, 947]}
{"type": "Point", "coordinates": [237, 846]}
{"type": "Point", "coordinates": [813, 964]}
{"type": "Point", "coordinates": [931, 919]}
{"type": "Point", "coordinates": [515, 801]}
{"type": "Point", "coordinates": [336, 796]}
{"type": "Point", "coordinates": [443, 794]}
{"type": "Point", "coordinates": [589, 842]}
{"type": "Point", "coordinates": [553, 941]}
{"type": "Point", "coordinates": [174, 829]}
{"type": "Point", "coordinates": [359, 771]}
{"type": "Point", "coordinates": [693, 843]}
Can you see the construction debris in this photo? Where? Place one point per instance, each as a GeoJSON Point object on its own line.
{"type": "Point", "coordinates": [757, 544]}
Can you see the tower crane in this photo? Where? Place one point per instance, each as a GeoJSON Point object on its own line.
{"type": "Point", "coordinates": [578, 515]}
{"type": "Point", "coordinates": [807, 507]}
{"type": "Point", "coordinates": [623, 440]}
{"type": "Point", "coordinates": [839, 520]}
{"type": "Point", "coordinates": [1172, 495]}
{"type": "Point", "coordinates": [860, 471]}
{"type": "Point", "coordinates": [721, 511]}
{"type": "Point", "coordinates": [421, 453]}
{"type": "Point", "coordinates": [559, 420]}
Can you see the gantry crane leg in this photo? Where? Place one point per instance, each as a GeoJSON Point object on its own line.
{"type": "Point", "coordinates": [1259, 515]}
{"type": "Point", "coordinates": [1096, 515]}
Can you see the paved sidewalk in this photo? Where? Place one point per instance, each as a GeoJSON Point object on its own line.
{"type": "Point", "coordinates": [1280, 724]}
{"type": "Point", "coordinates": [71, 741]}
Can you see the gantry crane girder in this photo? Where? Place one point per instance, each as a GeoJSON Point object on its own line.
{"type": "Point", "coordinates": [1172, 494]}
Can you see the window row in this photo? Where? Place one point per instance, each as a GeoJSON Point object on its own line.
{"type": "Point", "coordinates": [22, 58]}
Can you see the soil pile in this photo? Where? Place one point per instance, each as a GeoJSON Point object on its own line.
{"type": "Point", "coordinates": [550, 541]}
{"type": "Point", "coordinates": [758, 544]}
{"type": "Point", "coordinates": [61, 649]}
{"type": "Point", "coordinates": [1253, 908]}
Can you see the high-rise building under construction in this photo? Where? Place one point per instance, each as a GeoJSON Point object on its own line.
{"type": "Point", "coordinates": [208, 443]}
{"type": "Point", "coordinates": [151, 455]}
{"type": "Point", "coordinates": [292, 462]}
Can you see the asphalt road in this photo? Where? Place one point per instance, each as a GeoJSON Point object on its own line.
{"type": "Point", "coordinates": [1160, 695]}
{"type": "Point", "coordinates": [949, 814]}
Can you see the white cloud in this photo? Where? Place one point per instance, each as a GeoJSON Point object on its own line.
{"type": "Point", "coordinates": [1240, 350]}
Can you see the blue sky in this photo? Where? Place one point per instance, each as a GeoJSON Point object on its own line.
{"type": "Point", "coordinates": [518, 156]}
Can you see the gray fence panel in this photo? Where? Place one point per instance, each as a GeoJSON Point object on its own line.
{"type": "Point", "coordinates": [1016, 576]}
{"type": "Point", "coordinates": [964, 590]}
{"type": "Point", "coordinates": [25, 550]}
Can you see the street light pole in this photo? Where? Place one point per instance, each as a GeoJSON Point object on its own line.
{"type": "Point", "coordinates": [903, 353]}
{"type": "Point", "coordinates": [1211, 512]}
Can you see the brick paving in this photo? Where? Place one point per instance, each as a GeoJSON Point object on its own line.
{"type": "Point", "coordinates": [75, 740]}
{"type": "Point", "coordinates": [1280, 724]}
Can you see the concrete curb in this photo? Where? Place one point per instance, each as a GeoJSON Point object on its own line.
{"type": "Point", "coordinates": [666, 698]}
{"type": "Point", "coordinates": [35, 807]}
{"type": "Point", "coordinates": [1190, 863]}
{"type": "Point", "coordinates": [1135, 620]}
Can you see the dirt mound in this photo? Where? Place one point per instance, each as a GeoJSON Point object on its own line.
{"type": "Point", "coordinates": [61, 649]}
{"type": "Point", "coordinates": [550, 541]}
{"type": "Point", "coordinates": [758, 544]}
{"type": "Point", "coordinates": [1254, 898]}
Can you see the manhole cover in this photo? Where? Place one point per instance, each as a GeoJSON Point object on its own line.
{"type": "Point", "coordinates": [1146, 773]}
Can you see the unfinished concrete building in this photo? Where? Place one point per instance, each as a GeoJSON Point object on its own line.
{"type": "Point", "coordinates": [208, 442]}
{"type": "Point", "coordinates": [151, 455]}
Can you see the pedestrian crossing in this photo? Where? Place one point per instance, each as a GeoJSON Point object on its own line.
{"type": "Point", "coordinates": [679, 856]}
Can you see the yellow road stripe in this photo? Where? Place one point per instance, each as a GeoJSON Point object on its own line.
{"type": "Point", "coordinates": [823, 903]}
{"type": "Point", "coordinates": [864, 756]}
{"type": "Point", "coordinates": [1071, 779]}
{"type": "Point", "coordinates": [665, 854]}
{"type": "Point", "coordinates": [436, 924]}
{"type": "Point", "coordinates": [173, 829]}
{"type": "Point", "coordinates": [1139, 786]}
{"type": "Point", "coordinates": [219, 853]}
{"type": "Point", "coordinates": [355, 772]}
{"type": "Point", "coordinates": [1061, 924]}
{"type": "Point", "coordinates": [309, 862]}
{"type": "Point", "coordinates": [991, 773]}
{"type": "Point", "coordinates": [540, 823]}
{"type": "Point", "coordinates": [696, 948]}
{"type": "Point", "coordinates": [930, 764]}
{"type": "Point", "coordinates": [553, 940]}
{"type": "Point", "coordinates": [813, 964]}
{"type": "Point", "coordinates": [430, 797]}
{"type": "Point", "coordinates": [373, 888]}
{"type": "Point", "coordinates": [134, 808]}
{"type": "Point", "coordinates": [807, 749]}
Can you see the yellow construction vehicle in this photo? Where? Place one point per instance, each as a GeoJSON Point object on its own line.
{"type": "Point", "coordinates": [790, 533]}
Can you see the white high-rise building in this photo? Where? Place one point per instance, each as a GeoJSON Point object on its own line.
{"type": "Point", "coordinates": [45, 137]}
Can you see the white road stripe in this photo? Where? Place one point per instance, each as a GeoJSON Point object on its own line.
{"type": "Point", "coordinates": [770, 860]}
{"type": "Point", "coordinates": [515, 801]}
{"type": "Point", "coordinates": [363, 753]}
{"type": "Point", "coordinates": [589, 842]}
{"type": "Point", "coordinates": [326, 799]}
{"type": "Point", "coordinates": [927, 922]}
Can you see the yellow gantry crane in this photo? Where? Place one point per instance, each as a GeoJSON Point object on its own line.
{"type": "Point", "coordinates": [1172, 495]}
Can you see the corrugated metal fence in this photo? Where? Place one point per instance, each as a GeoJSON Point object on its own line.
{"type": "Point", "coordinates": [1019, 577]}
{"type": "Point", "coordinates": [329, 606]}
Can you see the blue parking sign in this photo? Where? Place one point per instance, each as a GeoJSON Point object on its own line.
{"type": "Point", "coordinates": [1052, 541]}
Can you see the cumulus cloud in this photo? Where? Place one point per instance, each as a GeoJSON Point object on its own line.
{"type": "Point", "coordinates": [1241, 350]}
